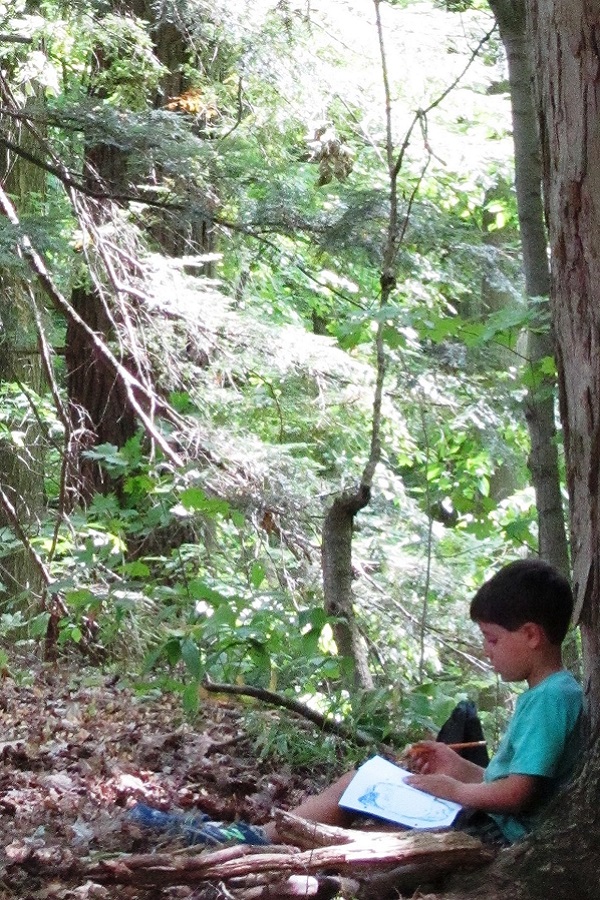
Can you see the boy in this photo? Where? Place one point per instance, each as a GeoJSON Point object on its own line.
{"type": "Point", "coordinates": [523, 613]}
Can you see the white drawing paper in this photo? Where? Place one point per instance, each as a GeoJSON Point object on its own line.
{"type": "Point", "coordinates": [379, 789]}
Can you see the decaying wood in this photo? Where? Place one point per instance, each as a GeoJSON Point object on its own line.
{"type": "Point", "coordinates": [307, 835]}
{"type": "Point", "coordinates": [372, 860]}
{"type": "Point", "coordinates": [362, 852]}
{"type": "Point", "coordinates": [265, 887]}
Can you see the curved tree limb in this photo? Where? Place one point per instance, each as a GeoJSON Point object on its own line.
{"type": "Point", "coordinates": [12, 518]}
{"type": "Point", "coordinates": [322, 722]}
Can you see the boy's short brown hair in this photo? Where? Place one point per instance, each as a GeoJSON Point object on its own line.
{"type": "Point", "coordinates": [527, 590]}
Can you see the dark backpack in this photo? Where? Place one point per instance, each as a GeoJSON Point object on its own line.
{"type": "Point", "coordinates": [464, 725]}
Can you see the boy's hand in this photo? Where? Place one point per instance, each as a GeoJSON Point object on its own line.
{"type": "Point", "coordinates": [442, 786]}
{"type": "Point", "coordinates": [436, 758]}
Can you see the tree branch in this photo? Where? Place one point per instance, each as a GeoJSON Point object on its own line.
{"type": "Point", "coordinates": [11, 516]}
{"type": "Point", "coordinates": [132, 385]}
{"type": "Point", "coordinates": [325, 724]}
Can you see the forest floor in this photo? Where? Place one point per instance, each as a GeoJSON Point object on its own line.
{"type": "Point", "coordinates": [79, 750]}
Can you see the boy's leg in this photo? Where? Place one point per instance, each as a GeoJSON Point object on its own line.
{"type": "Point", "coordinates": [478, 824]}
{"type": "Point", "coordinates": [323, 808]}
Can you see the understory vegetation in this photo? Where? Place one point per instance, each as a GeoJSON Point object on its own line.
{"type": "Point", "coordinates": [249, 262]}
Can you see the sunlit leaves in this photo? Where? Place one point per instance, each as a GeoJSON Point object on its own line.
{"type": "Point", "coordinates": [215, 568]}
{"type": "Point", "coordinates": [123, 67]}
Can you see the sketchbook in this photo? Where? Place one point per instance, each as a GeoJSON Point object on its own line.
{"type": "Point", "coordinates": [378, 789]}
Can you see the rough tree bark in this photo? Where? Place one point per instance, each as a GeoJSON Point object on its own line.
{"type": "Point", "coordinates": [177, 234]}
{"type": "Point", "coordinates": [540, 403]}
{"type": "Point", "coordinates": [97, 403]}
{"type": "Point", "coordinates": [566, 35]}
{"type": "Point", "coordinates": [20, 469]}
{"type": "Point", "coordinates": [562, 859]}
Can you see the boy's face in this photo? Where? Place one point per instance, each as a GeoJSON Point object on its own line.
{"type": "Point", "coordinates": [508, 651]}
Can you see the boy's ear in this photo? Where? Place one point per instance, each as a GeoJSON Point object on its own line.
{"type": "Point", "coordinates": [534, 633]}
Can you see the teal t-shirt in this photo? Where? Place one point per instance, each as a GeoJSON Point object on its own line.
{"type": "Point", "coordinates": [543, 738]}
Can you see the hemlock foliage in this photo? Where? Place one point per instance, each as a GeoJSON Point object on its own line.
{"type": "Point", "coordinates": [252, 138]}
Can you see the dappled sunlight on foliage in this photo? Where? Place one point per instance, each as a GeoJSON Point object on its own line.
{"type": "Point", "coordinates": [261, 277]}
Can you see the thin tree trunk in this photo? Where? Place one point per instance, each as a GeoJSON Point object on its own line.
{"type": "Point", "coordinates": [20, 467]}
{"type": "Point", "coordinates": [176, 234]}
{"type": "Point", "coordinates": [336, 551]}
{"type": "Point", "coordinates": [539, 405]}
{"type": "Point", "coordinates": [336, 556]}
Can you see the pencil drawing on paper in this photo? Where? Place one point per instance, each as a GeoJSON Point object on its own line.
{"type": "Point", "coordinates": [379, 789]}
{"type": "Point", "coordinates": [386, 797]}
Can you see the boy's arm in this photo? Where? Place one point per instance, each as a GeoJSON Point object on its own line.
{"type": "Point", "coordinates": [512, 794]}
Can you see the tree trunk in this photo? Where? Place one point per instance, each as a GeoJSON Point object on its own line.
{"type": "Point", "coordinates": [562, 859]}
{"type": "Point", "coordinates": [539, 405]}
{"type": "Point", "coordinates": [336, 556]}
{"type": "Point", "coordinates": [20, 468]}
{"type": "Point", "coordinates": [98, 401]}
{"type": "Point", "coordinates": [98, 406]}
{"type": "Point", "coordinates": [566, 39]}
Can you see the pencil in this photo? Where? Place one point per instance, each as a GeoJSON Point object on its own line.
{"type": "Point", "coordinates": [467, 744]}
{"type": "Point", "coordinates": [464, 745]}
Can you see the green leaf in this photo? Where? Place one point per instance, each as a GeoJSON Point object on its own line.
{"type": "Point", "coordinates": [444, 327]}
{"type": "Point", "coordinates": [191, 699]}
{"type": "Point", "coordinates": [508, 318]}
{"type": "Point", "coordinates": [181, 401]}
{"type": "Point", "coordinates": [79, 599]}
{"type": "Point", "coordinates": [194, 498]}
{"type": "Point", "coordinates": [191, 657]}
{"type": "Point", "coordinates": [172, 650]}
{"type": "Point", "coordinates": [547, 366]}
{"type": "Point", "coordinates": [519, 530]}
{"type": "Point", "coordinates": [316, 617]}
{"type": "Point", "coordinates": [260, 656]}
{"type": "Point", "coordinates": [136, 569]}
{"type": "Point", "coordinates": [200, 590]}
{"type": "Point", "coordinates": [257, 574]}
{"type": "Point", "coordinates": [39, 624]}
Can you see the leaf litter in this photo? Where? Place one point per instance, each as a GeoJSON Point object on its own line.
{"type": "Point", "coordinates": [79, 752]}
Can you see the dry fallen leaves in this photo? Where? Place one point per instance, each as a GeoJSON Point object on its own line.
{"type": "Point", "coordinates": [80, 751]}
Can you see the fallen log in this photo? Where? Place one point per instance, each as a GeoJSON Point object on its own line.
{"type": "Point", "coordinates": [369, 862]}
{"type": "Point", "coordinates": [361, 852]}
{"type": "Point", "coordinates": [307, 835]}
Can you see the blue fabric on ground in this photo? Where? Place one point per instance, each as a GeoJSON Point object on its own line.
{"type": "Point", "coordinates": [196, 828]}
